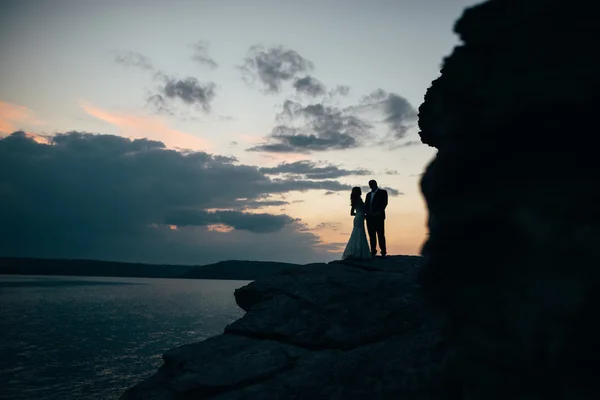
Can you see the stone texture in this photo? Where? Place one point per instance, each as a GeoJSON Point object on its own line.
{"type": "Point", "coordinates": [512, 256]}
{"type": "Point", "coordinates": [339, 331]}
{"type": "Point", "coordinates": [338, 307]}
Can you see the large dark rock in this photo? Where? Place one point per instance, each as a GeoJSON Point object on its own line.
{"type": "Point", "coordinates": [345, 330]}
{"type": "Point", "coordinates": [514, 216]}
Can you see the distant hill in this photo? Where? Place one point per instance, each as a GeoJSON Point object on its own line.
{"type": "Point", "coordinates": [46, 266]}
{"type": "Point", "coordinates": [233, 270]}
{"type": "Point", "coordinates": [236, 269]}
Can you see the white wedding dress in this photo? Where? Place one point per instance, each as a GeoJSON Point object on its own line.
{"type": "Point", "coordinates": [358, 247]}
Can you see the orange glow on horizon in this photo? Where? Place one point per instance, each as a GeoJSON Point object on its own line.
{"type": "Point", "coordinates": [283, 157]}
{"type": "Point", "coordinates": [219, 228]}
{"type": "Point", "coordinates": [12, 115]}
{"type": "Point", "coordinates": [147, 126]}
{"type": "Point", "coordinates": [405, 232]}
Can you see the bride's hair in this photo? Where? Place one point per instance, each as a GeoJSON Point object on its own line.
{"type": "Point", "coordinates": [355, 198]}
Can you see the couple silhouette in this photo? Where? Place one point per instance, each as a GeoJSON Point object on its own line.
{"type": "Point", "coordinates": [373, 210]}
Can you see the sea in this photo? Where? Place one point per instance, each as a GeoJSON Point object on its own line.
{"type": "Point", "coordinates": [67, 337]}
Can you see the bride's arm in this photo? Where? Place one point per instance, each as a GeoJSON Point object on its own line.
{"type": "Point", "coordinates": [352, 211]}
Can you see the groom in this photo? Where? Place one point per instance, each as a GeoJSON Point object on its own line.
{"type": "Point", "coordinates": [376, 202]}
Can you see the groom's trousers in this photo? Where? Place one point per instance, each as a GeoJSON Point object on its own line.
{"type": "Point", "coordinates": [376, 229]}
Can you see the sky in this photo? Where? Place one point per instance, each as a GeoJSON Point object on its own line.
{"type": "Point", "coordinates": [190, 132]}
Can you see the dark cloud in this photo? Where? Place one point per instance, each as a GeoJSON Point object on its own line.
{"type": "Point", "coordinates": [391, 192]}
{"type": "Point", "coordinates": [201, 55]}
{"type": "Point", "coordinates": [309, 86]}
{"type": "Point", "coordinates": [108, 197]}
{"type": "Point", "coordinates": [311, 170]}
{"type": "Point", "coordinates": [189, 90]}
{"type": "Point", "coordinates": [133, 59]}
{"type": "Point", "coordinates": [321, 128]}
{"type": "Point", "coordinates": [293, 184]}
{"type": "Point", "coordinates": [274, 65]}
{"type": "Point", "coordinates": [257, 223]}
{"type": "Point", "coordinates": [398, 113]}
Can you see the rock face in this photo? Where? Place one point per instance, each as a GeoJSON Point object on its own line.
{"type": "Point", "coordinates": [345, 330]}
{"type": "Point", "coordinates": [514, 207]}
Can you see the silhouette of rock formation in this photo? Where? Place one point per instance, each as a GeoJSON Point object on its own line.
{"type": "Point", "coordinates": [513, 256]}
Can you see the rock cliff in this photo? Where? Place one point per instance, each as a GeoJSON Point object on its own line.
{"type": "Point", "coordinates": [512, 257]}
{"type": "Point", "coordinates": [344, 330]}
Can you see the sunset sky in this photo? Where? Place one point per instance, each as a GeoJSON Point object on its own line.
{"type": "Point", "coordinates": [269, 112]}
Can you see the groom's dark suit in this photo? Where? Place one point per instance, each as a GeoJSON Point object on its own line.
{"type": "Point", "coordinates": [376, 219]}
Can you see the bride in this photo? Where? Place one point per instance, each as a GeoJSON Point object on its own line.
{"type": "Point", "coordinates": [357, 247]}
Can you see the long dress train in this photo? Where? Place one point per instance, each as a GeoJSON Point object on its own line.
{"type": "Point", "coordinates": [358, 246]}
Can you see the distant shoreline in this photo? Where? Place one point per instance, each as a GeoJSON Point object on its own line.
{"type": "Point", "coordinates": [224, 270]}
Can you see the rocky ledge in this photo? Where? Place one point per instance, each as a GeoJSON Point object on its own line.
{"type": "Point", "coordinates": [343, 330]}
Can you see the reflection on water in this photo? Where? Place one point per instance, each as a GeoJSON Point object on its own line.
{"type": "Point", "coordinates": [85, 337]}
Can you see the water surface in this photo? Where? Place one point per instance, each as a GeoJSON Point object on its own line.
{"type": "Point", "coordinates": [86, 337]}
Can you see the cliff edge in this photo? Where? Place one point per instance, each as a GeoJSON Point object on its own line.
{"type": "Point", "coordinates": [343, 330]}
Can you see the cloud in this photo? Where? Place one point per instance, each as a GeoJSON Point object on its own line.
{"type": "Point", "coordinates": [318, 127]}
{"type": "Point", "coordinates": [201, 54]}
{"type": "Point", "coordinates": [134, 59]}
{"type": "Point", "coordinates": [342, 90]}
{"type": "Point", "coordinates": [257, 223]}
{"type": "Point", "coordinates": [189, 90]}
{"type": "Point", "coordinates": [311, 170]}
{"type": "Point", "coordinates": [246, 204]}
{"type": "Point", "coordinates": [272, 66]}
{"type": "Point", "coordinates": [333, 226]}
{"type": "Point", "coordinates": [146, 126]}
{"type": "Point", "coordinates": [321, 128]}
{"type": "Point", "coordinates": [397, 112]}
{"type": "Point", "coordinates": [334, 247]}
{"type": "Point", "coordinates": [392, 192]}
{"type": "Point", "coordinates": [160, 104]}
{"type": "Point", "coordinates": [108, 197]}
{"type": "Point", "coordinates": [409, 143]}
{"type": "Point", "coordinates": [294, 184]}
{"type": "Point", "coordinates": [309, 86]}
{"type": "Point", "coordinates": [15, 117]}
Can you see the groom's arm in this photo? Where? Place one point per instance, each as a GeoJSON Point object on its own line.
{"type": "Point", "coordinates": [385, 200]}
